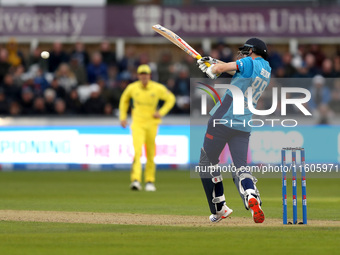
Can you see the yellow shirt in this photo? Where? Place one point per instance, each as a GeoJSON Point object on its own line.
{"type": "Point", "coordinates": [145, 101]}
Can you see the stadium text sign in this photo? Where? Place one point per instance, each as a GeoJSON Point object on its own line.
{"type": "Point", "coordinates": [47, 21]}
{"type": "Point", "coordinates": [72, 147]}
{"type": "Point", "coordinates": [275, 20]}
{"type": "Point", "coordinates": [233, 21]}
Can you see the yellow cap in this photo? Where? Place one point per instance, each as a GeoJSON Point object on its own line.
{"type": "Point", "coordinates": [144, 69]}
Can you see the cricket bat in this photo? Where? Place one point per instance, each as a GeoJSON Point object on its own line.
{"type": "Point", "coordinates": [175, 39]}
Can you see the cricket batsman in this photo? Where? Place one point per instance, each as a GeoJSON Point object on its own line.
{"type": "Point", "coordinates": [145, 95]}
{"type": "Point", "coordinates": [250, 70]}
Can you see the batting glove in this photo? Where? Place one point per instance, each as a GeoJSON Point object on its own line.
{"type": "Point", "coordinates": [210, 74]}
{"type": "Point", "coordinates": [202, 63]}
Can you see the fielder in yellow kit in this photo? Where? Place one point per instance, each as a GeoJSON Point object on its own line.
{"type": "Point", "coordinates": [145, 95]}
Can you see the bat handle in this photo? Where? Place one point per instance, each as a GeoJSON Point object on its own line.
{"type": "Point", "coordinates": [199, 57]}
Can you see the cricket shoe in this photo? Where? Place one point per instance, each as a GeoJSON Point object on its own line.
{"type": "Point", "coordinates": [136, 186]}
{"type": "Point", "coordinates": [256, 211]}
{"type": "Point", "coordinates": [220, 215]}
{"type": "Point", "coordinates": [150, 187]}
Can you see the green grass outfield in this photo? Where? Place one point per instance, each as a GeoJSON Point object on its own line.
{"type": "Point", "coordinates": [177, 194]}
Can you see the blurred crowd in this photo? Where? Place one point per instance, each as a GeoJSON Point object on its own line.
{"type": "Point", "coordinates": [78, 82]}
{"type": "Point", "coordinates": [311, 69]}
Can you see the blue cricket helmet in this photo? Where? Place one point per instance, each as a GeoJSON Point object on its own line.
{"type": "Point", "coordinates": [258, 47]}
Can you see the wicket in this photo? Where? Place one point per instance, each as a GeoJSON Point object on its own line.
{"type": "Point", "coordinates": [294, 185]}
